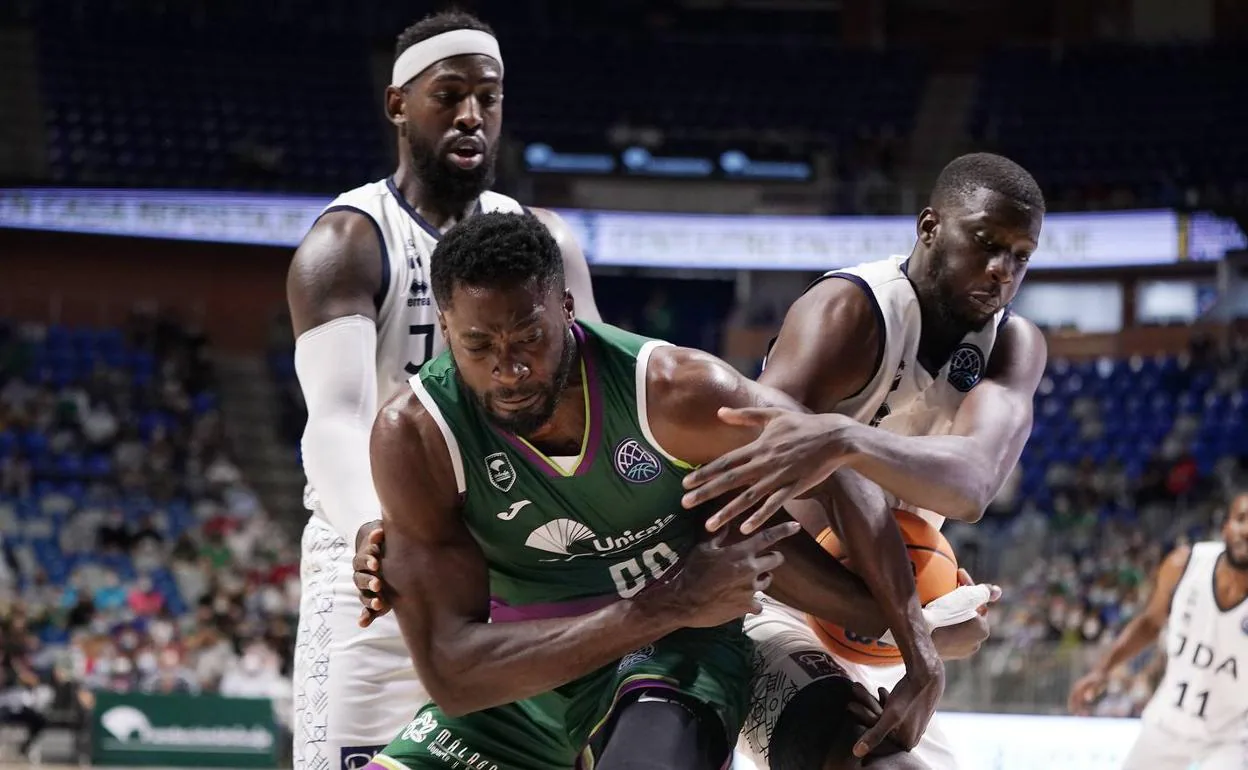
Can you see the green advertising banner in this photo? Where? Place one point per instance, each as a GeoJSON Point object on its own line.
{"type": "Point", "coordinates": [182, 731]}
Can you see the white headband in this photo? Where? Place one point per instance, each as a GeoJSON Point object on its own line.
{"type": "Point", "coordinates": [457, 42]}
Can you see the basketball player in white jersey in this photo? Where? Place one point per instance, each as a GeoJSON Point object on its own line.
{"type": "Point", "coordinates": [1198, 716]}
{"type": "Point", "coordinates": [924, 383]}
{"type": "Point", "coordinates": [365, 322]}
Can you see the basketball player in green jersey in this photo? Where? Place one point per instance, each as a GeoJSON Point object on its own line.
{"type": "Point", "coordinates": [560, 606]}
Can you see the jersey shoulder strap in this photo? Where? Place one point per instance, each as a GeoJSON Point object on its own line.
{"type": "Point", "coordinates": [492, 201]}
{"type": "Point", "coordinates": [367, 199]}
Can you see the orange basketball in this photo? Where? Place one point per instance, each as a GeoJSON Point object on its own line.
{"type": "Point", "coordinates": [935, 572]}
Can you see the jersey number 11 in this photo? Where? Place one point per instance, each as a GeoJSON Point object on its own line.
{"type": "Point", "coordinates": [1202, 697]}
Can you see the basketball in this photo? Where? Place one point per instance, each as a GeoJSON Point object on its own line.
{"type": "Point", "coordinates": [935, 572]}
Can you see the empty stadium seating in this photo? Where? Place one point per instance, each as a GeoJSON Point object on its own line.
{"type": "Point", "coordinates": [1152, 118]}
{"type": "Point", "coordinates": [288, 98]}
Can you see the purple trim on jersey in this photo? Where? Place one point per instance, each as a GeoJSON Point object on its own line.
{"type": "Point", "coordinates": [594, 435]}
{"type": "Point", "coordinates": [416, 217]}
{"type": "Point", "coordinates": [502, 612]}
{"type": "Point", "coordinates": [879, 322]}
{"type": "Point", "coordinates": [595, 401]}
{"type": "Point", "coordinates": [424, 223]}
{"type": "Point", "coordinates": [526, 453]}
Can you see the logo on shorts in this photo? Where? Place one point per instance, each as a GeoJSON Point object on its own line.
{"type": "Point", "coordinates": [636, 657]}
{"type": "Point", "coordinates": [419, 728]}
{"type": "Point", "coordinates": [816, 664]}
{"type": "Point", "coordinates": [356, 757]}
{"type": "Point", "coordinates": [966, 366]}
{"type": "Point", "coordinates": [502, 475]}
{"type": "Point", "coordinates": [636, 463]}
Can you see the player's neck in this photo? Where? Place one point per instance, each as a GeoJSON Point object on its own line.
{"type": "Point", "coordinates": [1230, 585]}
{"type": "Point", "coordinates": [940, 332]}
{"type": "Point", "coordinates": [440, 214]}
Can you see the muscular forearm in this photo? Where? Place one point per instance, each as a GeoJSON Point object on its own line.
{"type": "Point", "coordinates": [1137, 636]}
{"type": "Point", "coordinates": [864, 520]}
{"type": "Point", "coordinates": [489, 664]}
{"type": "Point", "coordinates": [812, 581]}
{"type": "Point", "coordinates": [946, 474]}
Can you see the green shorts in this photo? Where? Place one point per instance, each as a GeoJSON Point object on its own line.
{"type": "Point", "coordinates": [564, 728]}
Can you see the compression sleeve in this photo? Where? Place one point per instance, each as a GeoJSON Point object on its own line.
{"type": "Point", "coordinates": [337, 370]}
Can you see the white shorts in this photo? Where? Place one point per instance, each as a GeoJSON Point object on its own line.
{"type": "Point", "coordinates": [1160, 749]}
{"type": "Point", "coordinates": [788, 657]}
{"type": "Point", "coordinates": [355, 688]}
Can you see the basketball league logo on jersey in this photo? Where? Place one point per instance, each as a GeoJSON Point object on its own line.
{"type": "Point", "coordinates": [636, 463]}
{"type": "Point", "coordinates": [501, 473]}
{"type": "Point", "coordinates": [1243, 624]}
{"type": "Point", "coordinates": [966, 367]}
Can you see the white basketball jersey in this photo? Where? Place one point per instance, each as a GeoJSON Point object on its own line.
{"type": "Point", "coordinates": [903, 397]}
{"type": "Point", "coordinates": [407, 318]}
{"type": "Point", "coordinates": [1204, 693]}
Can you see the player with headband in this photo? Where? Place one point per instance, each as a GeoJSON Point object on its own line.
{"type": "Point", "coordinates": [365, 321]}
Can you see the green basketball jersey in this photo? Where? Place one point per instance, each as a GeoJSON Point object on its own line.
{"type": "Point", "coordinates": [564, 541]}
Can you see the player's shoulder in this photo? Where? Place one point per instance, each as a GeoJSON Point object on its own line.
{"type": "Point", "coordinates": [557, 225]}
{"type": "Point", "coordinates": [876, 274]}
{"type": "Point", "coordinates": [491, 201]}
{"type": "Point", "coordinates": [340, 268]}
{"type": "Point", "coordinates": [369, 197]}
{"type": "Point", "coordinates": [411, 447]}
{"type": "Point", "coordinates": [841, 300]}
{"type": "Point", "coordinates": [678, 379]}
{"type": "Point", "coordinates": [406, 426]}
{"type": "Point", "coordinates": [1025, 329]}
{"type": "Point", "coordinates": [348, 226]}
{"type": "Point", "coordinates": [403, 414]}
{"type": "Point", "coordinates": [1019, 346]}
{"type": "Point", "coordinates": [1175, 563]}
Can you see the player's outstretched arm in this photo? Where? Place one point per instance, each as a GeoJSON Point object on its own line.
{"type": "Point", "coordinates": [818, 359]}
{"type": "Point", "coordinates": [959, 474]}
{"type": "Point", "coordinates": [685, 391]}
{"type": "Point", "coordinates": [437, 581]}
{"type": "Point", "coordinates": [1139, 634]}
{"type": "Point", "coordinates": [331, 287]}
{"type": "Point", "coordinates": [575, 266]}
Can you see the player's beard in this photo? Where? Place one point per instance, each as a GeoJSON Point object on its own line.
{"type": "Point", "coordinates": [448, 185]}
{"type": "Point", "coordinates": [1237, 560]}
{"type": "Point", "coordinates": [945, 302]}
{"type": "Point", "coordinates": [526, 422]}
